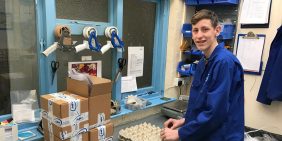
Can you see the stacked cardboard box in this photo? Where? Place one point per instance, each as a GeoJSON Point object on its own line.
{"type": "Point", "coordinates": [64, 116]}
{"type": "Point", "coordinates": [99, 98]}
{"type": "Point", "coordinates": [104, 133]}
{"type": "Point", "coordinates": [81, 137]}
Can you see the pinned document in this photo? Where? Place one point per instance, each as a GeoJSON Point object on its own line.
{"type": "Point", "coordinates": [255, 12]}
{"type": "Point", "coordinates": [128, 84]}
{"type": "Point", "coordinates": [135, 61]}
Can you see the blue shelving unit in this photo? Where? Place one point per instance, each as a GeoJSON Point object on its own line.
{"type": "Point", "coordinates": [201, 2]}
{"type": "Point", "coordinates": [191, 2]}
{"type": "Point", "coordinates": [227, 31]}
{"type": "Point", "coordinates": [187, 30]}
{"type": "Point", "coordinates": [211, 2]}
{"type": "Point", "coordinates": [226, 1]}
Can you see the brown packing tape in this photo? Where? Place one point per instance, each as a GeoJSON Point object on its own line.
{"type": "Point", "coordinates": [59, 30]}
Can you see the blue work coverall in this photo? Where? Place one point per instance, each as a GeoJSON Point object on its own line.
{"type": "Point", "coordinates": [216, 104]}
{"type": "Point", "coordinates": [270, 88]}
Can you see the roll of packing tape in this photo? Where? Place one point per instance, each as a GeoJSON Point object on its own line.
{"type": "Point", "coordinates": [59, 30]}
{"type": "Point", "coordinates": [87, 30]}
{"type": "Point", "coordinates": [109, 30]}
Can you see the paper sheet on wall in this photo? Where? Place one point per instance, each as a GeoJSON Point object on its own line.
{"type": "Point", "coordinates": [128, 84]}
{"type": "Point", "coordinates": [255, 12]}
{"type": "Point", "coordinates": [135, 61]}
{"type": "Point", "coordinates": [249, 52]}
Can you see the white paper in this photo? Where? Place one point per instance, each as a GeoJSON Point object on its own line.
{"type": "Point", "coordinates": [255, 12]}
{"type": "Point", "coordinates": [135, 61]}
{"type": "Point", "coordinates": [249, 53]}
{"type": "Point", "coordinates": [22, 113]}
{"type": "Point", "coordinates": [128, 84]}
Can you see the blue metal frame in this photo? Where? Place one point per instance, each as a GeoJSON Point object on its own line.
{"type": "Point", "coordinates": [48, 38]}
{"type": "Point", "coordinates": [117, 21]}
{"type": "Point", "coordinates": [49, 23]}
{"type": "Point", "coordinates": [40, 44]}
{"type": "Point", "coordinates": [159, 57]}
{"type": "Point", "coordinates": [154, 92]}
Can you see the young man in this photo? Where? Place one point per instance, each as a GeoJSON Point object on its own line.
{"type": "Point", "coordinates": [216, 104]}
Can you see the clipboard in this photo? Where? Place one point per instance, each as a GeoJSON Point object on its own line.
{"type": "Point", "coordinates": [249, 52]}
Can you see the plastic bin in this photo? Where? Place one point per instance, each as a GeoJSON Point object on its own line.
{"type": "Point", "coordinates": [205, 1]}
{"type": "Point", "coordinates": [226, 1]}
{"type": "Point", "coordinates": [227, 31]}
{"type": "Point", "coordinates": [191, 2]}
{"type": "Point", "coordinates": [187, 30]}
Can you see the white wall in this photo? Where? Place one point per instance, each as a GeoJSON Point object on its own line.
{"type": "Point", "coordinates": [178, 16]}
{"type": "Point", "coordinates": [258, 115]}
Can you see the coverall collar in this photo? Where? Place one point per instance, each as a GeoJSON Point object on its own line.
{"type": "Point", "coordinates": [219, 47]}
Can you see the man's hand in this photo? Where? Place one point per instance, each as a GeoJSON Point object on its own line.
{"type": "Point", "coordinates": [168, 134]}
{"type": "Point", "coordinates": [174, 123]}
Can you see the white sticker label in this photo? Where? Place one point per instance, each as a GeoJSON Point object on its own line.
{"type": "Point", "coordinates": [101, 132]}
{"type": "Point", "coordinates": [101, 119]}
{"type": "Point", "coordinates": [109, 138]}
{"type": "Point", "coordinates": [65, 121]}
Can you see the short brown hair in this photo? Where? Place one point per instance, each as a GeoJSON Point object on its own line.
{"type": "Point", "coordinates": [205, 14]}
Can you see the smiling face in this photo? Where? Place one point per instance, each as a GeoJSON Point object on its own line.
{"type": "Point", "coordinates": [204, 35]}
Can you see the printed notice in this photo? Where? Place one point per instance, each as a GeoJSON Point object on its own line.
{"type": "Point", "coordinates": [128, 84]}
{"type": "Point", "coordinates": [255, 11]}
{"type": "Point", "coordinates": [135, 61]}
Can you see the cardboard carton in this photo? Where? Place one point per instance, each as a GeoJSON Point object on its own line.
{"type": "Point", "coordinates": [63, 108]}
{"type": "Point", "coordinates": [100, 86]}
{"type": "Point", "coordinates": [66, 131]}
{"type": "Point", "coordinates": [50, 137]}
{"type": "Point", "coordinates": [99, 105]}
{"type": "Point", "coordinates": [101, 132]}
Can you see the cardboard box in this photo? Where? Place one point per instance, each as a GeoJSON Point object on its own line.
{"type": "Point", "coordinates": [62, 107]}
{"type": "Point", "coordinates": [97, 105]}
{"type": "Point", "coordinates": [81, 137]}
{"type": "Point", "coordinates": [66, 131]}
{"type": "Point", "coordinates": [108, 132]}
{"type": "Point", "coordinates": [100, 86]}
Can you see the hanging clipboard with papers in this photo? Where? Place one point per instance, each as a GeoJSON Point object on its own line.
{"type": "Point", "coordinates": [255, 14]}
{"type": "Point", "coordinates": [249, 52]}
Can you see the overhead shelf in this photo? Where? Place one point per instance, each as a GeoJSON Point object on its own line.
{"type": "Point", "coordinates": [211, 2]}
